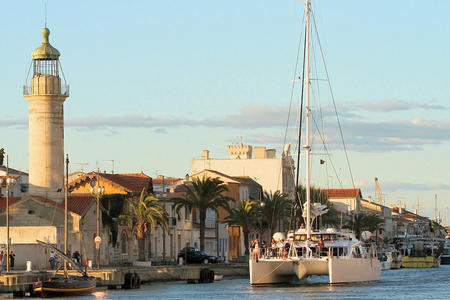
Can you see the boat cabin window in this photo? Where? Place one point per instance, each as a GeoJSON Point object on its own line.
{"type": "Point", "coordinates": [300, 237]}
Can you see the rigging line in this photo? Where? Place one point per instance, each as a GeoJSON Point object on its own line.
{"type": "Point", "coordinates": [328, 153]}
{"type": "Point", "coordinates": [62, 71]}
{"type": "Point", "coordinates": [28, 73]}
{"type": "Point", "coordinates": [297, 196]}
{"type": "Point", "coordinates": [292, 91]}
{"type": "Point", "coordinates": [334, 104]}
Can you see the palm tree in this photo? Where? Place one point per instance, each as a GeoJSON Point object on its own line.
{"type": "Point", "coordinates": [203, 194]}
{"type": "Point", "coordinates": [331, 218]}
{"type": "Point", "coordinates": [244, 215]}
{"type": "Point", "coordinates": [363, 222]}
{"type": "Point", "coordinates": [143, 215]}
{"type": "Point", "coordinates": [274, 208]}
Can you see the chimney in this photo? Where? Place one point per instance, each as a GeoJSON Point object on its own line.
{"type": "Point", "coordinates": [369, 198]}
{"type": "Point", "coordinates": [260, 152]}
{"type": "Point", "coordinates": [205, 154]}
{"type": "Point", "coordinates": [271, 153]}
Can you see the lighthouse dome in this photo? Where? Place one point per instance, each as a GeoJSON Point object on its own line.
{"type": "Point", "coordinates": [45, 51]}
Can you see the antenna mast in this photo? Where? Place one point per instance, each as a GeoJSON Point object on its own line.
{"type": "Point", "coordinates": [45, 15]}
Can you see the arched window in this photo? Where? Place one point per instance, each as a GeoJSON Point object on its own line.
{"type": "Point", "coordinates": [123, 242]}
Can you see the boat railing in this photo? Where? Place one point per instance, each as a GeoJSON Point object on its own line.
{"type": "Point", "coordinates": [298, 251]}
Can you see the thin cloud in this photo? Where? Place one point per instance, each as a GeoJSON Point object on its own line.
{"type": "Point", "coordinates": [395, 186]}
{"type": "Point", "coordinates": [393, 105]}
{"type": "Point", "coordinates": [360, 134]}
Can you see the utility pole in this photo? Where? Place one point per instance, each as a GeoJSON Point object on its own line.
{"type": "Point", "coordinates": [112, 161]}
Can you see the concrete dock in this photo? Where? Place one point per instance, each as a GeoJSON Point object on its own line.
{"type": "Point", "coordinates": [20, 282]}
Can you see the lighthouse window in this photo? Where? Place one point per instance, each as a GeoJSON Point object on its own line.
{"type": "Point", "coordinates": [45, 67]}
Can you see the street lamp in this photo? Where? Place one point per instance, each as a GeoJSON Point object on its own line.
{"type": "Point", "coordinates": [9, 181]}
{"type": "Point", "coordinates": [97, 193]}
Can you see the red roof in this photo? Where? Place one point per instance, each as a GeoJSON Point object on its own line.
{"type": "Point", "coordinates": [77, 203]}
{"type": "Point", "coordinates": [130, 182]}
{"type": "Point", "coordinates": [343, 193]}
{"type": "Point", "coordinates": [12, 200]}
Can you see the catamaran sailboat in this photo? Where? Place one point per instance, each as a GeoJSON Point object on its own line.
{"type": "Point", "coordinates": [305, 251]}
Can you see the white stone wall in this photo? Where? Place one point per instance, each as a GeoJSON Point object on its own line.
{"type": "Point", "coordinates": [272, 174]}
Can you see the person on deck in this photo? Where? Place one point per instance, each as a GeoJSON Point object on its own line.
{"type": "Point", "coordinates": [76, 256]}
{"type": "Point", "coordinates": [255, 251]}
{"type": "Point", "coordinates": [12, 258]}
{"type": "Point", "coordinates": [52, 260]}
{"type": "Point", "coordinates": [2, 266]}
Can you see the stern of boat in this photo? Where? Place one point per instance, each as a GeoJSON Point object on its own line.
{"type": "Point", "coordinates": [343, 270]}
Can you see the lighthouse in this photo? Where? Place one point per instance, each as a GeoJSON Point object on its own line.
{"type": "Point", "coordinates": [46, 95]}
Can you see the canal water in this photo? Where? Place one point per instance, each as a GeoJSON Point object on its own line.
{"type": "Point", "coordinates": [394, 284]}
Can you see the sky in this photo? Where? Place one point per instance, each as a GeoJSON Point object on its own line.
{"type": "Point", "coordinates": [153, 83]}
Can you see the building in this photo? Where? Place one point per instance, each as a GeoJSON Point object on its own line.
{"type": "Point", "coordinates": [40, 213]}
{"type": "Point", "coordinates": [163, 184]}
{"type": "Point", "coordinates": [409, 223]}
{"type": "Point", "coordinates": [271, 172]}
{"type": "Point", "coordinates": [46, 95]}
{"type": "Point", "coordinates": [384, 212]}
{"type": "Point", "coordinates": [119, 246]}
{"type": "Point", "coordinates": [19, 188]}
{"type": "Point", "coordinates": [220, 239]}
{"type": "Point", "coordinates": [37, 218]}
{"type": "Point", "coordinates": [346, 201]}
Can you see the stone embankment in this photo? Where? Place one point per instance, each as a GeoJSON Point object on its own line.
{"type": "Point", "coordinates": [20, 282]}
{"type": "Point", "coordinates": [171, 273]}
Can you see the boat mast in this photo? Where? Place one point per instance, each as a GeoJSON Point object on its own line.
{"type": "Point", "coordinates": [66, 217]}
{"type": "Point", "coordinates": [307, 146]}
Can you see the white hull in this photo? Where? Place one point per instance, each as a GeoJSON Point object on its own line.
{"type": "Point", "coordinates": [339, 270]}
{"type": "Point", "coordinates": [386, 265]}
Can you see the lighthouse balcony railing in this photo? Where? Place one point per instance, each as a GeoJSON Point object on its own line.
{"type": "Point", "coordinates": [45, 90]}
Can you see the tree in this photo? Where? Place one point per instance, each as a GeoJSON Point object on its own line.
{"type": "Point", "coordinates": [274, 208]}
{"type": "Point", "coordinates": [143, 215]}
{"type": "Point", "coordinates": [245, 215]}
{"type": "Point", "coordinates": [2, 156]}
{"type": "Point", "coordinates": [363, 222]}
{"type": "Point", "coordinates": [332, 217]}
{"type": "Point", "coordinates": [203, 194]}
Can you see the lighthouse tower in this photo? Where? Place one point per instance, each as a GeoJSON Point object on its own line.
{"type": "Point", "coordinates": [45, 95]}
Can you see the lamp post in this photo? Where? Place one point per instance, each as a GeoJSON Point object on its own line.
{"type": "Point", "coordinates": [97, 193]}
{"type": "Point", "coordinates": [9, 181]}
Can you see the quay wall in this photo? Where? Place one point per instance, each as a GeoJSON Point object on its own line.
{"type": "Point", "coordinates": [173, 273]}
{"type": "Point", "coordinates": [21, 281]}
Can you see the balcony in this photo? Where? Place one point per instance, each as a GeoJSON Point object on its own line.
{"type": "Point", "coordinates": [45, 90]}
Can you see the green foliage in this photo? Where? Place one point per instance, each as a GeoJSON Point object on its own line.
{"type": "Point", "coordinates": [316, 194]}
{"type": "Point", "coordinates": [203, 194]}
{"type": "Point", "coordinates": [275, 208]}
{"type": "Point", "coordinates": [363, 222]}
{"type": "Point", "coordinates": [2, 156]}
{"type": "Point", "coordinates": [145, 213]}
{"type": "Point", "coordinates": [332, 218]}
{"type": "Point", "coordinates": [246, 215]}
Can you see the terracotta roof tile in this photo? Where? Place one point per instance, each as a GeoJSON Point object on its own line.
{"type": "Point", "coordinates": [130, 182]}
{"type": "Point", "coordinates": [12, 200]}
{"type": "Point", "coordinates": [77, 203]}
